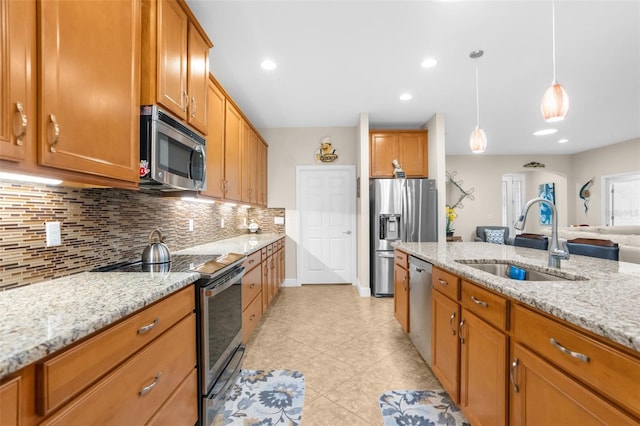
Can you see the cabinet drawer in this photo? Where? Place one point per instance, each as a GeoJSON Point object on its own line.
{"type": "Point", "coordinates": [251, 286]}
{"type": "Point", "coordinates": [401, 259]}
{"type": "Point", "coordinates": [252, 260]}
{"type": "Point", "coordinates": [63, 376]}
{"type": "Point", "coordinates": [446, 283]}
{"type": "Point", "coordinates": [487, 305]}
{"type": "Point", "coordinates": [181, 408]}
{"type": "Point", "coordinates": [10, 402]}
{"type": "Point", "coordinates": [250, 317]}
{"type": "Point", "coordinates": [270, 249]}
{"type": "Point", "coordinates": [606, 369]}
{"type": "Point", "coordinates": [137, 389]}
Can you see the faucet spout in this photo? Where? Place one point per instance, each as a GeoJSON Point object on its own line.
{"type": "Point", "coordinates": [555, 252]}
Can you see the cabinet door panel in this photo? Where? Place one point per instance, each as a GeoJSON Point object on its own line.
{"type": "Point", "coordinates": [172, 58]}
{"type": "Point", "coordinates": [483, 372]}
{"type": "Point", "coordinates": [17, 60]}
{"type": "Point", "coordinates": [198, 79]}
{"type": "Point", "coordinates": [401, 296]}
{"type": "Point", "coordinates": [384, 149]}
{"type": "Point", "coordinates": [89, 87]}
{"type": "Point", "coordinates": [445, 345]}
{"type": "Point", "coordinates": [215, 141]}
{"type": "Point", "coordinates": [546, 396]}
{"type": "Point", "coordinates": [233, 153]}
{"type": "Point", "coordinates": [412, 148]}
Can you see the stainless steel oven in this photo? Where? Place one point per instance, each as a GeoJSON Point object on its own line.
{"type": "Point", "coordinates": [220, 349]}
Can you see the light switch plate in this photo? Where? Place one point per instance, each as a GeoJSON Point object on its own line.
{"type": "Point", "coordinates": [53, 234]}
{"type": "Point", "coordinates": [278, 220]}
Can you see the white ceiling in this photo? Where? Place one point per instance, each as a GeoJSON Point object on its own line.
{"type": "Point", "coordinates": [336, 59]}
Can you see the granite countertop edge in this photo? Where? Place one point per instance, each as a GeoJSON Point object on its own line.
{"type": "Point", "coordinates": [34, 326]}
{"type": "Point", "coordinates": [603, 301]}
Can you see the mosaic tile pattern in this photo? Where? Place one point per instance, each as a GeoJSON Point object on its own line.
{"type": "Point", "coordinates": [103, 226]}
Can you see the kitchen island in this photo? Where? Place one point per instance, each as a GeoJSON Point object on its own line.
{"type": "Point", "coordinates": [603, 300]}
{"type": "Point", "coordinates": [559, 347]}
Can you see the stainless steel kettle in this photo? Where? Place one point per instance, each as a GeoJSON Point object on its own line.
{"type": "Point", "coordinates": [156, 251]}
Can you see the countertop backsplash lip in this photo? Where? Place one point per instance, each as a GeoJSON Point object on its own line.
{"type": "Point", "coordinates": [605, 304]}
{"type": "Point", "coordinates": [34, 326]}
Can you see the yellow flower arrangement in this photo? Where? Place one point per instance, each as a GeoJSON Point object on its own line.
{"type": "Point", "coordinates": [451, 216]}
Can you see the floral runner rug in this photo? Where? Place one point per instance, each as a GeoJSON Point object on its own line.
{"type": "Point", "coordinates": [423, 407]}
{"type": "Point", "coordinates": [265, 397]}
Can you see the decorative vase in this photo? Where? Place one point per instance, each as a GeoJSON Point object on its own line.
{"type": "Point", "coordinates": [449, 233]}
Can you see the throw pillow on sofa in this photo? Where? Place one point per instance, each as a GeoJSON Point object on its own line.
{"type": "Point", "coordinates": [495, 236]}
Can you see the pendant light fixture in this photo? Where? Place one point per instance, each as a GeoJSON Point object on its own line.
{"type": "Point", "coordinates": [555, 101]}
{"type": "Point", "coordinates": [478, 140]}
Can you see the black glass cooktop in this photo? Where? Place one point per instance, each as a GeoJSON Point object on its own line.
{"type": "Point", "coordinates": [178, 263]}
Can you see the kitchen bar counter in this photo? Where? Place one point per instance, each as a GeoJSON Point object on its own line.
{"type": "Point", "coordinates": [606, 303]}
{"type": "Point", "coordinates": [42, 318]}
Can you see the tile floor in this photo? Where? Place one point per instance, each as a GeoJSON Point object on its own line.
{"type": "Point", "coordinates": [349, 348]}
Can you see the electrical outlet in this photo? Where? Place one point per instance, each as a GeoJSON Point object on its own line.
{"type": "Point", "coordinates": [278, 220]}
{"type": "Point", "coordinates": [191, 225]}
{"type": "Point", "coordinates": [221, 223]}
{"type": "Point", "coordinates": [53, 234]}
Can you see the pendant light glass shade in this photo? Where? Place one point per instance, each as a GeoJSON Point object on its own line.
{"type": "Point", "coordinates": [478, 141]}
{"type": "Point", "coordinates": [555, 103]}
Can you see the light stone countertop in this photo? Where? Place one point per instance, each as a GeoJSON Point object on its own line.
{"type": "Point", "coordinates": [606, 303]}
{"type": "Point", "coordinates": [39, 319]}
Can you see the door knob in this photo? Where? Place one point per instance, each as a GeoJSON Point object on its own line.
{"type": "Point", "coordinates": [347, 232]}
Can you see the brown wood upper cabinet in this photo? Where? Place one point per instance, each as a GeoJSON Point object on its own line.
{"type": "Point", "coordinates": [409, 147]}
{"type": "Point", "coordinates": [79, 121]}
{"type": "Point", "coordinates": [175, 61]}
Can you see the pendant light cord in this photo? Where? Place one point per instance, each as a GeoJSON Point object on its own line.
{"type": "Point", "coordinates": [553, 37]}
{"type": "Point", "coordinates": [477, 99]}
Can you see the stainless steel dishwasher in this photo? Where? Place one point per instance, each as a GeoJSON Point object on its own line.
{"type": "Point", "coordinates": [420, 306]}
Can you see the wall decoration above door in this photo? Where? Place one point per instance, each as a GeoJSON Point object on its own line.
{"type": "Point", "coordinates": [326, 153]}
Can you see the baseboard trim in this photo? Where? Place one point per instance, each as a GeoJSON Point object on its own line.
{"type": "Point", "coordinates": [290, 282]}
{"type": "Point", "coordinates": [363, 291]}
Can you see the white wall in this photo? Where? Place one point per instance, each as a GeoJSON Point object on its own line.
{"type": "Point", "coordinates": [291, 147]}
{"type": "Point", "coordinates": [436, 161]}
{"type": "Point", "coordinates": [620, 158]}
{"type": "Point", "coordinates": [568, 172]}
{"type": "Point", "coordinates": [362, 206]}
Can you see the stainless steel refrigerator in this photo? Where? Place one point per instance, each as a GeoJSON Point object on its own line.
{"type": "Point", "coordinates": [401, 210]}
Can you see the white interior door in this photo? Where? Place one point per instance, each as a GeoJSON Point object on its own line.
{"type": "Point", "coordinates": [325, 200]}
{"type": "Point", "coordinates": [512, 200]}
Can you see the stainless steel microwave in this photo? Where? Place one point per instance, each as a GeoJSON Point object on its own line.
{"type": "Point", "coordinates": [172, 155]}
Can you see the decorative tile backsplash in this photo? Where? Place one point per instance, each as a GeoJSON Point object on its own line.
{"type": "Point", "coordinates": [104, 226]}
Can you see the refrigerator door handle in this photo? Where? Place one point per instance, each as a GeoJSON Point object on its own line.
{"type": "Point", "coordinates": [389, 255]}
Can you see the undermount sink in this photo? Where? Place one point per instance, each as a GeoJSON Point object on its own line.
{"type": "Point", "coordinates": [501, 269]}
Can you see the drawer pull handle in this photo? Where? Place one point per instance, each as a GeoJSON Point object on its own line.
{"type": "Point", "coordinates": [250, 261]}
{"type": "Point", "coordinates": [453, 330]}
{"type": "Point", "coordinates": [145, 390]}
{"type": "Point", "coordinates": [460, 332]}
{"type": "Point", "coordinates": [148, 327]}
{"type": "Point", "coordinates": [252, 285]}
{"type": "Point", "coordinates": [442, 282]}
{"type": "Point", "coordinates": [252, 317]}
{"type": "Point", "coordinates": [479, 302]}
{"type": "Point", "coordinates": [514, 364]}
{"type": "Point", "coordinates": [569, 352]}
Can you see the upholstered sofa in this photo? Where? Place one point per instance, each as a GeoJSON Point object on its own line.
{"type": "Point", "coordinates": [627, 238]}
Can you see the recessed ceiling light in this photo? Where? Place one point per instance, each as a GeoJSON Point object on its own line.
{"type": "Point", "coordinates": [545, 132]}
{"type": "Point", "coordinates": [405, 97]}
{"type": "Point", "coordinates": [564, 140]}
{"type": "Point", "coordinates": [268, 64]}
{"type": "Point", "coordinates": [429, 63]}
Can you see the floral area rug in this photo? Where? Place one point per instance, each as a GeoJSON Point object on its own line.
{"type": "Point", "coordinates": [420, 408]}
{"type": "Point", "coordinates": [265, 398]}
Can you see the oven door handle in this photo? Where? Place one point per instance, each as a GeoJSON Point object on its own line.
{"type": "Point", "coordinates": [214, 288]}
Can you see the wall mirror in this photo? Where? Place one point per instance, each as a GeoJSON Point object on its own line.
{"type": "Point", "coordinates": [455, 192]}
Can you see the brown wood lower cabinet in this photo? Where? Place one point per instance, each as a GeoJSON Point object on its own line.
{"type": "Point", "coordinates": [143, 368]}
{"type": "Point", "coordinates": [544, 395]}
{"type": "Point", "coordinates": [555, 374]}
{"type": "Point", "coordinates": [401, 289]}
